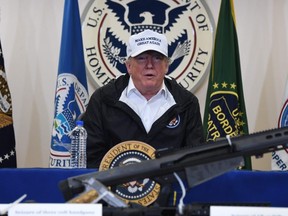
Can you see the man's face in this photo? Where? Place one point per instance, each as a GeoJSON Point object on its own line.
{"type": "Point", "coordinates": [147, 71]}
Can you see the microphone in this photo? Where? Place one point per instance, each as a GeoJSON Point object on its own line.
{"type": "Point", "coordinates": [5, 210]}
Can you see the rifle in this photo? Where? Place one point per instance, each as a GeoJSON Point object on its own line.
{"type": "Point", "coordinates": [196, 164]}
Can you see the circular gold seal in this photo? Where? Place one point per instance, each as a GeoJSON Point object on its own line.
{"type": "Point", "coordinates": [141, 191]}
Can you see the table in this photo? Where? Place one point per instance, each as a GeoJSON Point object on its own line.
{"type": "Point", "coordinates": [239, 186]}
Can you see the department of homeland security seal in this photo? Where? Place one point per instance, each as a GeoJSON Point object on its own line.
{"type": "Point", "coordinates": [187, 25]}
{"type": "Point", "coordinates": [144, 191]}
{"type": "Point", "coordinates": [70, 101]}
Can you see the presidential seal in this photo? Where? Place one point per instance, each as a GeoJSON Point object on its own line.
{"type": "Point", "coordinates": [187, 25]}
{"type": "Point", "coordinates": [141, 191]}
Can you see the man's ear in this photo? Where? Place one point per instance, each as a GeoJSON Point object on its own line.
{"type": "Point", "coordinates": [167, 68]}
{"type": "Point", "coordinates": [128, 66]}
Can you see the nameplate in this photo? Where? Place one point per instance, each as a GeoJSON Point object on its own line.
{"type": "Point", "coordinates": [67, 209]}
{"type": "Point", "coordinates": [247, 211]}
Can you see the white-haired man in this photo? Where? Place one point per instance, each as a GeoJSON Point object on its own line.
{"type": "Point", "coordinates": [143, 105]}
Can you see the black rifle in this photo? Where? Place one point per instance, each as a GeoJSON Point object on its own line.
{"type": "Point", "coordinates": [216, 157]}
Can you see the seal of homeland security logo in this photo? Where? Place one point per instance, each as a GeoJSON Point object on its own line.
{"type": "Point", "coordinates": [70, 101]}
{"type": "Point", "coordinates": [144, 191]}
{"type": "Point", "coordinates": [187, 25]}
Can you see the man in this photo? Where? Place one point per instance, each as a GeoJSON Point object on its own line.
{"type": "Point", "coordinates": [143, 105]}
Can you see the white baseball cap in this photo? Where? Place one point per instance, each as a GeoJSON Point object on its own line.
{"type": "Point", "coordinates": [147, 40]}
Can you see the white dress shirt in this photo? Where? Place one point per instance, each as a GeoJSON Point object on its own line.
{"type": "Point", "coordinates": [149, 111]}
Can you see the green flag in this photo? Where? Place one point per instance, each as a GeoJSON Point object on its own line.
{"type": "Point", "coordinates": [225, 112]}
